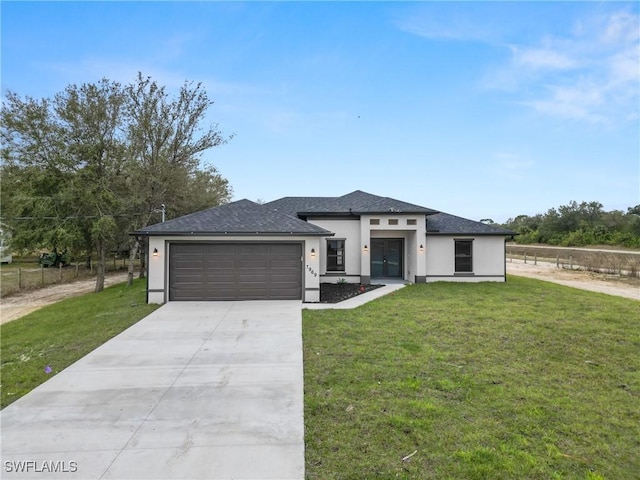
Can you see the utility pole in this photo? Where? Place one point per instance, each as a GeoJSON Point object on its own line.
{"type": "Point", "coordinates": [162, 210]}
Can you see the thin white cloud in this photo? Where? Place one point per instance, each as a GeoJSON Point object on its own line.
{"type": "Point", "coordinates": [541, 58]}
{"type": "Point", "coordinates": [588, 72]}
{"type": "Point", "coordinates": [591, 74]}
{"type": "Point", "coordinates": [620, 27]}
{"type": "Point", "coordinates": [457, 22]}
{"type": "Point", "coordinates": [93, 69]}
{"type": "Point", "coordinates": [511, 166]}
{"type": "Point", "coordinates": [124, 71]}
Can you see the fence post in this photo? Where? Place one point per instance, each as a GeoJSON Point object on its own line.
{"type": "Point", "coordinates": [535, 259]}
{"type": "Point", "coordinates": [557, 261]}
{"type": "Point", "coordinates": [525, 257]}
{"type": "Point", "coordinates": [42, 274]}
{"type": "Point", "coordinates": [76, 269]}
{"type": "Point", "coordinates": [19, 278]}
{"type": "Point", "coordinates": [571, 262]}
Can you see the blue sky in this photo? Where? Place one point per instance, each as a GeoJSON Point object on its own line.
{"type": "Point", "coordinates": [479, 109]}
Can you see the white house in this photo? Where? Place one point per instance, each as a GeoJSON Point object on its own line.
{"type": "Point", "coordinates": [286, 248]}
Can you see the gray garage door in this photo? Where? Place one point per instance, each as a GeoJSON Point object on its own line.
{"type": "Point", "coordinates": [235, 271]}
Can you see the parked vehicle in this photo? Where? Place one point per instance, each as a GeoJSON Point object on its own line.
{"type": "Point", "coordinates": [54, 259]}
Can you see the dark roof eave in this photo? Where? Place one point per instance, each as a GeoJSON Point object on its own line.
{"type": "Point", "coordinates": [142, 233]}
{"type": "Point", "coordinates": [358, 213]}
{"type": "Point", "coordinates": [475, 234]}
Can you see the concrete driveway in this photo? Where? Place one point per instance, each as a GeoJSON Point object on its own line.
{"type": "Point", "coordinates": [196, 390]}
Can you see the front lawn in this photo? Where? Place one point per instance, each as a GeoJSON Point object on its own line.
{"type": "Point", "coordinates": [524, 379]}
{"type": "Point", "coordinates": [50, 339]}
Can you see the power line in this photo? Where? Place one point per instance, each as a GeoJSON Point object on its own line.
{"type": "Point", "coordinates": [75, 217]}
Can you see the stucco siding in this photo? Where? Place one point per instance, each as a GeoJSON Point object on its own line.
{"type": "Point", "coordinates": [488, 258]}
{"type": "Point", "coordinates": [348, 230]}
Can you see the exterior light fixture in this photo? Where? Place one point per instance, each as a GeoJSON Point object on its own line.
{"type": "Point", "coordinates": [155, 252]}
{"type": "Point", "coordinates": [366, 249]}
{"type": "Point", "coordinates": [313, 252]}
{"type": "Point", "coordinates": [421, 248]}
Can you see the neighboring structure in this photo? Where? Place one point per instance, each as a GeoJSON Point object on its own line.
{"type": "Point", "coordinates": [284, 249]}
{"type": "Point", "coordinates": [5, 253]}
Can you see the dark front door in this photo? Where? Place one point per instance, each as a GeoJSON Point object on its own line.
{"type": "Point", "coordinates": [386, 257]}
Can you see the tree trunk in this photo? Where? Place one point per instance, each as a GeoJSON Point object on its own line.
{"type": "Point", "coordinates": [101, 246]}
{"type": "Point", "coordinates": [133, 251]}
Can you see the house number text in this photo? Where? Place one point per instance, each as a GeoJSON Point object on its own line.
{"type": "Point", "coordinates": [312, 271]}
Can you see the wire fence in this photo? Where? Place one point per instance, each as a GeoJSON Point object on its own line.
{"type": "Point", "coordinates": [16, 278]}
{"type": "Point", "coordinates": [599, 261]}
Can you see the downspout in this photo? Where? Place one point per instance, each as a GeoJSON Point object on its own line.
{"type": "Point", "coordinates": [505, 258]}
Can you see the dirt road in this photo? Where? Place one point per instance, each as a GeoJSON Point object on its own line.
{"type": "Point", "coordinates": [609, 284]}
{"type": "Point", "coordinates": [19, 305]}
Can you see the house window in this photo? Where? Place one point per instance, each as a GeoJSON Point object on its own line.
{"type": "Point", "coordinates": [374, 221]}
{"type": "Point", "coordinates": [464, 256]}
{"type": "Point", "coordinates": [393, 221]}
{"type": "Point", "coordinates": [412, 221]}
{"type": "Point", "coordinates": [335, 255]}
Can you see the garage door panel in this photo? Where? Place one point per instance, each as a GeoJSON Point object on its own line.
{"type": "Point", "coordinates": [189, 263]}
{"type": "Point", "coordinates": [253, 264]}
{"type": "Point", "coordinates": [190, 279]}
{"type": "Point", "coordinates": [221, 264]}
{"type": "Point", "coordinates": [248, 271]}
{"type": "Point", "coordinates": [189, 249]}
{"type": "Point", "coordinates": [250, 278]}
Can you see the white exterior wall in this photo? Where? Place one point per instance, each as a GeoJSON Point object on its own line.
{"type": "Point", "coordinates": [358, 234]}
{"type": "Point", "coordinates": [158, 265]}
{"type": "Point", "coordinates": [348, 230]}
{"type": "Point", "coordinates": [488, 258]}
{"type": "Point", "coordinates": [413, 235]}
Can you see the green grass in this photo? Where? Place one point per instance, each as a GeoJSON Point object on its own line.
{"type": "Point", "coordinates": [59, 334]}
{"type": "Point", "coordinates": [516, 380]}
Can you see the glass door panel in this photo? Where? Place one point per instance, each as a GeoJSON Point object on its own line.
{"type": "Point", "coordinates": [377, 258]}
{"type": "Point", "coordinates": [386, 257]}
{"type": "Point", "coordinates": [394, 258]}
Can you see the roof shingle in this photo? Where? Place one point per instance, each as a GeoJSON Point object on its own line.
{"type": "Point", "coordinates": [357, 202]}
{"type": "Point", "coordinates": [242, 217]}
{"type": "Point", "coordinates": [446, 224]}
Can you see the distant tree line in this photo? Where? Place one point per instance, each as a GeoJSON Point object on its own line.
{"type": "Point", "coordinates": [83, 169]}
{"type": "Point", "coordinates": [579, 224]}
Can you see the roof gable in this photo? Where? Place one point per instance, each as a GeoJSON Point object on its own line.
{"type": "Point", "coordinates": [242, 217]}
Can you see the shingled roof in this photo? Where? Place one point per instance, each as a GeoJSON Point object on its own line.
{"type": "Point", "coordinates": [280, 217]}
{"type": "Point", "coordinates": [243, 217]}
{"type": "Point", "coordinates": [356, 203]}
{"type": "Point", "coordinates": [446, 224]}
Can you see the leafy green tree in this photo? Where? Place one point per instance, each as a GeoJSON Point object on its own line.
{"type": "Point", "coordinates": [579, 224]}
{"type": "Point", "coordinates": [166, 140]}
{"type": "Point", "coordinates": [35, 175]}
{"type": "Point", "coordinates": [87, 167]}
{"type": "Point", "coordinates": [91, 125]}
